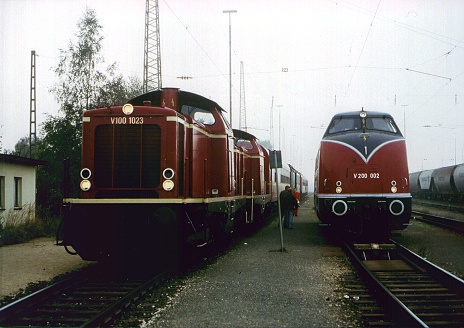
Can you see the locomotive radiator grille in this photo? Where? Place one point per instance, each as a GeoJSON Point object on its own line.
{"type": "Point", "coordinates": [127, 157]}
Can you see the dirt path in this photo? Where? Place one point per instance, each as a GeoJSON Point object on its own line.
{"type": "Point", "coordinates": [37, 260]}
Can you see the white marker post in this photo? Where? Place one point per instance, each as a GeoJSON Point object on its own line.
{"type": "Point", "coordinates": [276, 162]}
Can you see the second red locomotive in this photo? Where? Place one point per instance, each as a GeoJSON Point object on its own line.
{"type": "Point", "coordinates": [361, 176]}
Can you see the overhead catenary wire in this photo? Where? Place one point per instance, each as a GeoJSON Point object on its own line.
{"type": "Point", "coordinates": [442, 77]}
{"type": "Point", "coordinates": [362, 49]}
{"type": "Point", "coordinates": [197, 42]}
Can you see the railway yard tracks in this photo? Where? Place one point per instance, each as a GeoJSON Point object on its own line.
{"type": "Point", "coordinates": [448, 223]}
{"type": "Point", "coordinates": [409, 290]}
{"type": "Point", "coordinates": [79, 301]}
{"type": "Point", "coordinates": [392, 287]}
{"type": "Point", "coordinates": [450, 207]}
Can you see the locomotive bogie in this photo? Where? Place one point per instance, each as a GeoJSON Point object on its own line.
{"type": "Point", "coordinates": [103, 231]}
{"type": "Point", "coordinates": [157, 232]}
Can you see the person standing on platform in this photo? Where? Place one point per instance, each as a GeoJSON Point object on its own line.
{"type": "Point", "coordinates": [297, 196]}
{"type": "Point", "coordinates": [282, 195]}
{"type": "Point", "coordinates": [288, 204]}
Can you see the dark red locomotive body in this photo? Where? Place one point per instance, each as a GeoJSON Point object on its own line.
{"type": "Point", "coordinates": [361, 177]}
{"type": "Point", "coordinates": [163, 171]}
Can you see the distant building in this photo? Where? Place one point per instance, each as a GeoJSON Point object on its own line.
{"type": "Point", "coordinates": [17, 187]}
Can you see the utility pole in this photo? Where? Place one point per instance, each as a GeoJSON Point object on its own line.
{"type": "Point", "coordinates": [271, 127]}
{"type": "Point", "coordinates": [243, 124]}
{"type": "Point", "coordinates": [32, 120]}
{"type": "Point", "coordinates": [230, 62]}
{"type": "Point", "coordinates": [152, 52]}
{"type": "Point", "coordinates": [404, 120]}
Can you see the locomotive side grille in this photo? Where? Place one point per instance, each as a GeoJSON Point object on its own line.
{"type": "Point", "coordinates": [127, 156]}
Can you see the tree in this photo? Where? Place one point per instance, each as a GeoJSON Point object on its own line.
{"type": "Point", "coordinates": [81, 86]}
{"type": "Point", "coordinates": [266, 144]}
{"type": "Point", "coordinates": [22, 148]}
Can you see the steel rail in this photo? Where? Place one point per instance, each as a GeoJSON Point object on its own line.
{"type": "Point", "coordinates": [449, 280]}
{"type": "Point", "coordinates": [24, 304]}
{"type": "Point", "coordinates": [110, 303]}
{"type": "Point", "coordinates": [396, 310]}
{"type": "Point", "coordinates": [451, 224]}
{"type": "Point", "coordinates": [411, 290]}
{"type": "Point", "coordinates": [104, 317]}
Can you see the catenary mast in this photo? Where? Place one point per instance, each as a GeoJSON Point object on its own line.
{"type": "Point", "coordinates": [243, 124]}
{"type": "Point", "coordinates": [32, 121]}
{"type": "Point", "coordinates": [152, 52]}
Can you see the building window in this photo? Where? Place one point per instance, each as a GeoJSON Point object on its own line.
{"type": "Point", "coordinates": [18, 192]}
{"type": "Point", "coordinates": [2, 192]}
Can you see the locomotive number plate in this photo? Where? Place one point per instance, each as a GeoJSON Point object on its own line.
{"type": "Point", "coordinates": [127, 120]}
{"type": "Point", "coordinates": [364, 175]}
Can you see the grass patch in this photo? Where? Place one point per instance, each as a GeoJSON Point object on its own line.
{"type": "Point", "coordinates": [19, 226]}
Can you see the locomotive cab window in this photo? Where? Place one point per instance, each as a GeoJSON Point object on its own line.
{"type": "Point", "coordinates": [246, 144]}
{"type": "Point", "coordinates": [347, 124]}
{"type": "Point", "coordinates": [381, 124]}
{"type": "Point", "coordinates": [201, 115]}
{"type": "Point", "coordinates": [343, 124]}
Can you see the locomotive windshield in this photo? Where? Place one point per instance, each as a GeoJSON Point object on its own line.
{"type": "Point", "coordinates": [201, 115]}
{"type": "Point", "coordinates": [347, 124]}
{"type": "Point", "coordinates": [381, 124]}
{"type": "Point", "coordinates": [246, 144]}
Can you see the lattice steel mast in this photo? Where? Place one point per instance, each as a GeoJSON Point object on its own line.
{"type": "Point", "coordinates": [152, 52]}
{"type": "Point", "coordinates": [242, 125]}
{"type": "Point", "coordinates": [32, 116]}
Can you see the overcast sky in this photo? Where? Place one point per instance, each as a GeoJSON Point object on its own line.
{"type": "Point", "coordinates": [401, 57]}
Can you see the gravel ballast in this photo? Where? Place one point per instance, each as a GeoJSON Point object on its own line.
{"type": "Point", "coordinates": [257, 285]}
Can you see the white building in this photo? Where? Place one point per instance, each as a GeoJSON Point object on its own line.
{"type": "Point", "coordinates": [17, 187]}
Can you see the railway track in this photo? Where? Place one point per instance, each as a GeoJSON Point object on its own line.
{"type": "Point", "coordinates": [410, 290]}
{"type": "Point", "coordinates": [451, 224]}
{"type": "Point", "coordinates": [79, 301]}
{"type": "Point", "coordinates": [439, 205]}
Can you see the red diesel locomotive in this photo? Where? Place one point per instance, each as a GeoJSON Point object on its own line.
{"type": "Point", "coordinates": [361, 176]}
{"type": "Point", "coordinates": [163, 171]}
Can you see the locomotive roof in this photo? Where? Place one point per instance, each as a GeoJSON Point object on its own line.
{"type": "Point", "coordinates": [184, 98]}
{"type": "Point", "coordinates": [368, 113]}
{"type": "Point", "coordinates": [243, 135]}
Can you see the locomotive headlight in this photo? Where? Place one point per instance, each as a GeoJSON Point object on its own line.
{"type": "Point", "coordinates": [168, 173]}
{"type": "Point", "coordinates": [86, 173]}
{"type": "Point", "coordinates": [127, 109]}
{"type": "Point", "coordinates": [393, 189]}
{"type": "Point", "coordinates": [168, 185]}
{"type": "Point", "coordinates": [85, 185]}
{"type": "Point", "coordinates": [338, 190]}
